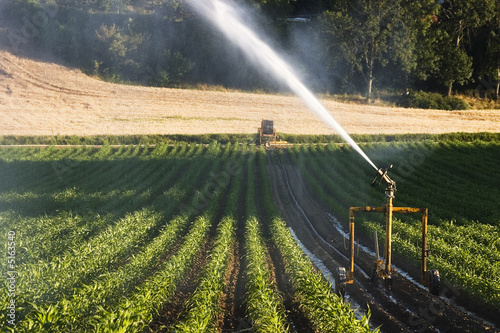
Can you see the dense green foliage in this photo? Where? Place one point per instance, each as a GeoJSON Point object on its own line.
{"type": "Point", "coordinates": [264, 304]}
{"type": "Point", "coordinates": [203, 306]}
{"type": "Point", "coordinates": [456, 180]}
{"type": "Point", "coordinates": [105, 236]}
{"type": "Point", "coordinates": [337, 46]}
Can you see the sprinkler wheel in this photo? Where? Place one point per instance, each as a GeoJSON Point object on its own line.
{"type": "Point", "coordinates": [340, 281]}
{"type": "Point", "coordinates": [433, 281]}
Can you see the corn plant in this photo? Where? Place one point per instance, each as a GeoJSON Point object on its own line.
{"type": "Point", "coordinates": [436, 175]}
{"type": "Point", "coordinates": [137, 310]}
{"type": "Point", "coordinates": [89, 295]}
{"type": "Point", "coordinates": [144, 305]}
{"type": "Point", "coordinates": [203, 305]}
{"type": "Point", "coordinates": [263, 304]}
{"type": "Point", "coordinates": [466, 255]}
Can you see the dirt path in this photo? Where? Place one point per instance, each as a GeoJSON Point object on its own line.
{"type": "Point", "coordinates": [406, 307]}
{"type": "Point", "coordinates": [44, 98]}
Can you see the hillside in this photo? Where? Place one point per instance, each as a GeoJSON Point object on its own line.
{"type": "Point", "coordinates": [44, 98]}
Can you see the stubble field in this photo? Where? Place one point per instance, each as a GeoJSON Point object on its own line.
{"type": "Point", "coordinates": [43, 98]}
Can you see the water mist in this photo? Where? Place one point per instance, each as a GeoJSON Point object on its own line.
{"type": "Point", "coordinates": [226, 19]}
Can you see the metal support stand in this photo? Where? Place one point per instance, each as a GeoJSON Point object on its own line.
{"type": "Point", "coordinates": [384, 269]}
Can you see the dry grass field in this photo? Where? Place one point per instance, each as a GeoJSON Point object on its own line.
{"type": "Point", "coordinates": [44, 98]}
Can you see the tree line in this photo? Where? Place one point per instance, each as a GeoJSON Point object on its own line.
{"type": "Point", "coordinates": [336, 46]}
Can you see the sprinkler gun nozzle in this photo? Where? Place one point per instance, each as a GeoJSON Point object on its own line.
{"type": "Point", "coordinates": [391, 184]}
{"type": "Point", "coordinates": [382, 174]}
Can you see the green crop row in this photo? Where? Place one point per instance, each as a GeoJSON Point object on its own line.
{"type": "Point", "coordinates": [326, 310]}
{"type": "Point", "coordinates": [77, 260]}
{"type": "Point", "coordinates": [48, 236]}
{"type": "Point", "coordinates": [422, 173]}
{"type": "Point", "coordinates": [136, 311]}
{"type": "Point", "coordinates": [45, 281]}
{"type": "Point", "coordinates": [104, 236]}
{"type": "Point", "coordinates": [139, 309]}
{"type": "Point", "coordinates": [232, 138]}
{"type": "Point", "coordinates": [84, 300]}
{"type": "Point", "coordinates": [104, 249]}
{"type": "Point", "coordinates": [203, 306]}
{"type": "Point", "coordinates": [466, 256]}
{"type": "Point", "coordinates": [263, 304]}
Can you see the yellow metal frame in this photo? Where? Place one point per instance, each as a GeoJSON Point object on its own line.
{"type": "Point", "coordinates": [388, 210]}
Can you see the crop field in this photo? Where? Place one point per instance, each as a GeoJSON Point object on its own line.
{"type": "Point", "coordinates": [126, 219]}
{"type": "Point", "coordinates": [191, 238]}
{"type": "Point", "coordinates": [105, 238]}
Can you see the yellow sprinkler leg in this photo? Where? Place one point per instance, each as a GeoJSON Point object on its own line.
{"type": "Point", "coordinates": [388, 237]}
{"type": "Point", "coordinates": [350, 276]}
{"type": "Point", "coordinates": [424, 246]}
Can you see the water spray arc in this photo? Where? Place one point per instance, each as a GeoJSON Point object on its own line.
{"type": "Point", "coordinates": [226, 18]}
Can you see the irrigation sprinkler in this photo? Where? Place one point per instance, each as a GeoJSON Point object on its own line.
{"type": "Point", "coordinates": [382, 268]}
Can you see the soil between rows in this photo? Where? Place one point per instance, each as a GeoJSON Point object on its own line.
{"type": "Point", "coordinates": [233, 317]}
{"type": "Point", "coordinates": [406, 307]}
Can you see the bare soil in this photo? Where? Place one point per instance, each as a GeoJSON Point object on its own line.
{"type": "Point", "coordinates": [44, 98]}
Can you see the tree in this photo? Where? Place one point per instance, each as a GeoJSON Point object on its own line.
{"type": "Point", "coordinates": [275, 7]}
{"type": "Point", "coordinates": [356, 31]}
{"type": "Point", "coordinates": [422, 21]}
{"type": "Point", "coordinates": [458, 18]}
{"type": "Point", "coordinates": [116, 46]}
{"type": "Point", "coordinates": [371, 33]}
{"type": "Point", "coordinates": [455, 65]}
{"type": "Point", "coordinates": [492, 56]}
{"type": "Point", "coordinates": [495, 46]}
{"type": "Point", "coordinates": [171, 71]}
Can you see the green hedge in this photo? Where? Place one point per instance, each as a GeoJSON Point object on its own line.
{"type": "Point", "coordinates": [429, 100]}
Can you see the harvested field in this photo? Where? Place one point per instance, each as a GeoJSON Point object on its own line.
{"type": "Point", "coordinates": [43, 98]}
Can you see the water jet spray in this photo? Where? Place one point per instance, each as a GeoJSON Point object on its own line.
{"type": "Point", "coordinates": [226, 18]}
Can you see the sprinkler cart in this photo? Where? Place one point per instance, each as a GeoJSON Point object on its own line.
{"type": "Point", "coordinates": [266, 135]}
{"type": "Point", "coordinates": [383, 269]}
